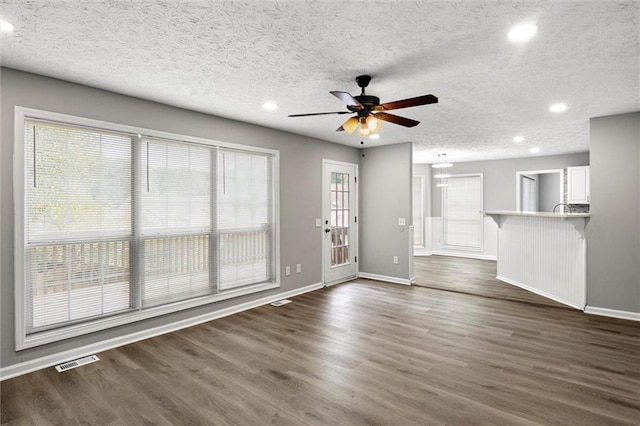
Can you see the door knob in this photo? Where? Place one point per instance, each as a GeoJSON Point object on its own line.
{"type": "Point", "coordinates": [327, 230]}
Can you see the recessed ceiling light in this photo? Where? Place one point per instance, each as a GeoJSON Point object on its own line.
{"type": "Point", "coordinates": [374, 136]}
{"type": "Point", "coordinates": [270, 106]}
{"type": "Point", "coordinates": [518, 138]}
{"type": "Point", "coordinates": [442, 185]}
{"type": "Point", "coordinates": [6, 26]}
{"type": "Point", "coordinates": [522, 33]}
{"type": "Point", "coordinates": [534, 150]}
{"type": "Point", "coordinates": [560, 107]}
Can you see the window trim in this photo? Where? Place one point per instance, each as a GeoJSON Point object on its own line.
{"type": "Point", "coordinates": [481, 220]}
{"type": "Point", "coordinates": [422, 203]}
{"type": "Point", "coordinates": [24, 341]}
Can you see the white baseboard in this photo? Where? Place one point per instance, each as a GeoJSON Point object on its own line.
{"type": "Point", "coordinates": [340, 281]}
{"type": "Point", "coordinates": [57, 358]}
{"type": "Point", "coordinates": [468, 255]}
{"type": "Point", "coordinates": [394, 280]}
{"type": "Point", "coordinates": [614, 313]}
{"type": "Point", "coordinates": [422, 253]}
{"type": "Point", "coordinates": [539, 292]}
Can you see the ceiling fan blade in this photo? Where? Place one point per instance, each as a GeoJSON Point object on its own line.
{"type": "Point", "coordinates": [396, 119]}
{"type": "Point", "coordinates": [320, 113]}
{"type": "Point", "coordinates": [347, 99]}
{"type": "Point", "coordinates": [349, 126]}
{"type": "Point", "coordinates": [406, 103]}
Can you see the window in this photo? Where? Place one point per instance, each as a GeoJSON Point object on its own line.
{"type": "Point", "coordinates": [461, 212]}
{"type": "Point", "coordinates": [120, 227]}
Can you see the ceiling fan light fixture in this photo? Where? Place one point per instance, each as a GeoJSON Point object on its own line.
{"type": "Point", "coordinates": [370, 112]}
{"type": "Point", "coordinates": [350, 125]}
{"type": "Point", "coordinates": [373, 123]}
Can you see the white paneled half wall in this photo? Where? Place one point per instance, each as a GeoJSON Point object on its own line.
{"type": "Point", "coordinates": [546, 256]}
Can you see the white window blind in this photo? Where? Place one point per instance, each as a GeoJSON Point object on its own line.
{"type": "Point", "coordinates": [461, 207]}
{"type": "Point", "coordinates": [78, 212]}
{"type": "Point", "coordinates": [176, 222]}
{"type": "Point", "coordinates": [120, 227]}
{"type": "Point", "coordinates": [244, 205]}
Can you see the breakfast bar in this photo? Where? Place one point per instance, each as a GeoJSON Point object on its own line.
{"type": "Point", "coordinates": [544, 253]}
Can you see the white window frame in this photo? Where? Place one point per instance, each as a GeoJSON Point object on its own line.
{"type": "Point", "coordinates": [422, 244]}
{"type": "Point", "coordinates": [480, 216]}
{"type": "Point", "coordinates": [24, 341]}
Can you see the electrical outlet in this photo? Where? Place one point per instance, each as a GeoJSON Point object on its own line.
{"type": "Point", "coordinates": [401, 221]}
{"type": "Point", "coordinates": [298, 268]}
{"type": "Point", "coordinates": [395, 260]}
{"type": "Point", "coordinates": [287, 271]}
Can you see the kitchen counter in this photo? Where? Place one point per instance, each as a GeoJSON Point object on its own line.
{"type": "Point", "coordinates": [544, 253]}
{"type": "Point", "coordinates": [535, 214]}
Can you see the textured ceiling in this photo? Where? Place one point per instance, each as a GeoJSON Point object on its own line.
{"type": "Point", "coordinates": [228, 57]}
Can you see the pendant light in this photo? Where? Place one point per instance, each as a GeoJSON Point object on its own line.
{"type": "Point", "coordinates": [439, 169]}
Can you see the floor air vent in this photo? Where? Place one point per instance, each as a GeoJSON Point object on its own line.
{"type": "Point", "coordinates": [281, 302]}
{"type": "Point", "coordinates": [76, 363]}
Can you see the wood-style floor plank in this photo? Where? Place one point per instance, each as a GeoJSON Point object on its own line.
{"type": "Point", "coordinates": [471, 276]}
{"type": "Point", "coordinates": [358, 353]}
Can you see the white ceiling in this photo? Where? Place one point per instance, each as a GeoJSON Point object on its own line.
{"type": "Point", "coordinates": [228, 57]}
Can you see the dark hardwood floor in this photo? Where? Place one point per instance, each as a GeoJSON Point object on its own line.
{"type": "Point", "coordinates": [471, 276]}
{"type": "Point", "coordinates": [358, 353]}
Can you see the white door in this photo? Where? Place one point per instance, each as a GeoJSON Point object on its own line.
{"type": "Point", "coordinates": [339, 221]}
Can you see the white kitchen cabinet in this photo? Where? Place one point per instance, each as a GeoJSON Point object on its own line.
{"type": "Point", "coordinates": [578, 185]}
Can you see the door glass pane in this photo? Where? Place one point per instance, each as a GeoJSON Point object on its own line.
{"type": "Point", "coordinates": [340, 219]}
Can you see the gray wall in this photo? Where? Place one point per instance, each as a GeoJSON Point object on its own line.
{"type": "Point", "coordinates": [386, 176]}
{"type": "Point", "coordinates": [613, 231]}
{"type": "Point", "coordinates": [548, 191]}
{"type": "Point", "coordinates": [300, 186]}
{"type": "Point", "coordinates": [499, 177]}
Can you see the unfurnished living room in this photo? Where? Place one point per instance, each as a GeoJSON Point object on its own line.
{"type": "Point", "coordinates": [319, 212]}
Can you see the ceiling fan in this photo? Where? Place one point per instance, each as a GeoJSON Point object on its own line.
{"type": "Point", "coordinates": [369, 111]}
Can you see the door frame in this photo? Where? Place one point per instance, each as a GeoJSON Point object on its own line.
{"type": "Point", "coordinates": [538, 172]}
{"type": "Point", "coordinates": [355, 241]}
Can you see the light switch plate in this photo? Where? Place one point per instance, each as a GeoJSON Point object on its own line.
{"type": "Point", "coordinates": [318, 223]}
{"type": "Point", "coordinates": [287, 271]}
{"type": "Point", "coordinates": [401, 221]}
